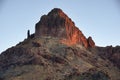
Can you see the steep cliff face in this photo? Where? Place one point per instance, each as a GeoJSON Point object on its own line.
{"type": "Point", "coordinates": [57, 24]}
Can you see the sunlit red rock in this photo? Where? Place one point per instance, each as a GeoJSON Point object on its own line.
{"type": "Point", "coordinates": [57, 24]}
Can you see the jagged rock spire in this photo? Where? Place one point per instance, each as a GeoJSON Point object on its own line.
{"type": "Point", "coordinates": [28, 34]}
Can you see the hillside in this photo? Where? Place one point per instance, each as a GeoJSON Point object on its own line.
{"type": "Point", "coordinates": [58, 50]}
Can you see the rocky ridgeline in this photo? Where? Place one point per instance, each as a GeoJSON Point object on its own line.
{"type": "Point", "coordinates": [111, 53]}
{"type": "Point", "coordinates": [57, 24]}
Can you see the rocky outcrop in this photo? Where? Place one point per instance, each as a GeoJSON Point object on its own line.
{"type": "Point", "coordinates": [91, 43]}
{"type": "Point", "coordinates": [57, 24]}
{"type": "Point", "coordinates": [28, 34]}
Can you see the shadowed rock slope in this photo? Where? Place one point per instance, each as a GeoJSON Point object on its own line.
{"type": "Point", "coordinates": [57, 51]}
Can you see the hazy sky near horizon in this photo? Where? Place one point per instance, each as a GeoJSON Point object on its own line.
{"type": "Point", "coordinates": [97, 18]}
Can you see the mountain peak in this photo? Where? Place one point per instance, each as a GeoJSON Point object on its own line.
{"type": "Point", "coordinates": [55, 10]}
{"type": "Point", "coordinates": [57, 24]}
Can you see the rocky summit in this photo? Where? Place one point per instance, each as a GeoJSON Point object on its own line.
{"type": "Point", "coordinates": [58, 50]}
{"type": "Point", "coordinates": [57, 24]}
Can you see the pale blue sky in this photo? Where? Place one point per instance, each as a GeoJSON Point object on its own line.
{"type": "Point", "coordinates": [97, 18]}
